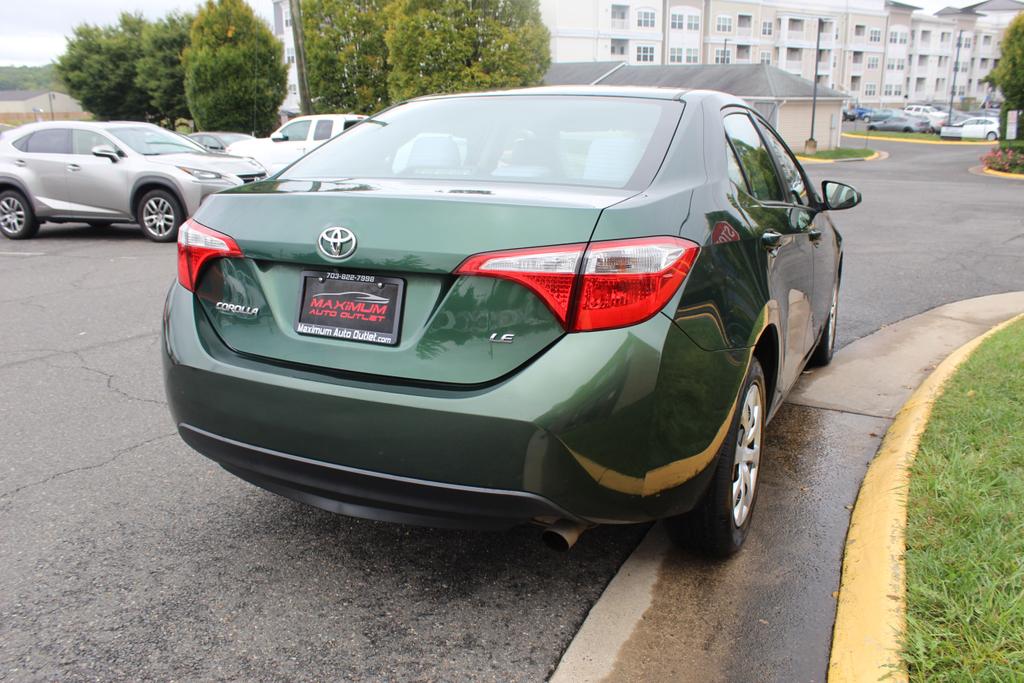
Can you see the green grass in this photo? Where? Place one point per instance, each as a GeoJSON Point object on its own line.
{"type": "Point", "coordinates": [841, 153]}
{"type": "Point", "coordinates": [965, 534]}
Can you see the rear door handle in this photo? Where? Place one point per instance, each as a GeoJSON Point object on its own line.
{"type": "Point", "coordinates": [74, 167]}
{"type": "Point", "coordinates": [771, 239]}
{"type": "Point", "coordinates": [19, 162]}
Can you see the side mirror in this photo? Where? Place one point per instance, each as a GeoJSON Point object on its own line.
{"type": "Point", "coordinates": [278, 137]}
{"type": "Point", "coordinates": [839, 196]}
{"type": "Point", "coordinates": [105, 151]}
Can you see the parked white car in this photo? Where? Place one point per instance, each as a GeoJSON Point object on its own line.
{"type": "Point", "coordinates": [978, 128]}
{"type": "Point", "coordinates": [936, 117]}
{"type": "Point", "coordinates": [289, 142]}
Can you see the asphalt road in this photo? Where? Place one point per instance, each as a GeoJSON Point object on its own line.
{"type": "Point", "coordinates": [127, 556]}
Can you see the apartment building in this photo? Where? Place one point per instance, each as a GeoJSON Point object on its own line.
{"type": "Point", "coordinates": [283, 31]}
{"type": "Point", "coordinates": [880, 52]}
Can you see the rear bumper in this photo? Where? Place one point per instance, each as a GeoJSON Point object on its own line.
{"type": "Point", "coordinates": [604, 427]}
{"type": "Point", "coordinates": [371, 495]}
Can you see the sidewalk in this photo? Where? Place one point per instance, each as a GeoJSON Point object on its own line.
{"type": "Point", "coordinates": [767, 614]}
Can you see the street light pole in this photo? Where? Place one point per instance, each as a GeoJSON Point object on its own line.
{"type": "Point", "coordinates": [811, 146]}
{"type": "Point", "coordinates": [300, 57]}
{"type": "Point", "coordinates": [956, 68]}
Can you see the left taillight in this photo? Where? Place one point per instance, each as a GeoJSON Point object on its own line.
{"type": "Point", "coordinates": [198, 244]}
{"type": "Point", "coordinates": [598, 286]}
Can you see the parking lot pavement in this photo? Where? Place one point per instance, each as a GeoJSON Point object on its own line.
{"type": "Point", "coordinates": [128, 556]}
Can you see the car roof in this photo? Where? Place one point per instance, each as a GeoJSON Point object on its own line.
{"type": "Point", "coordinates": [628, 91]}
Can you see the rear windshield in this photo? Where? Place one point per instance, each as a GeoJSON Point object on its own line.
{"type": "Point", "coordinates": [597, 141]}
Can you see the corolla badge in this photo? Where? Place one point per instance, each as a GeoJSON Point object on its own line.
{"type": "Point", "coordinates": [336, 243]}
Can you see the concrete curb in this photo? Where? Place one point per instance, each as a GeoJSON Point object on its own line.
{"type": "Point", "coordinates": [873, 157]}
{"type": "Point", "coordinates": [871, 611]}
{"type": "Point", "coordinates": [1003, 174]}
{"type": "Point", "coordinates": [858, 136]}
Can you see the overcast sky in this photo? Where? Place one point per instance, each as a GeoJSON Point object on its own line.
{"type": "Point", "coordinates": [32, 31]}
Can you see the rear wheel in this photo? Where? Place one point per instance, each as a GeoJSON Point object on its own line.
{"type": "Point", "coordinates": [719, 524]}
{"type": "Point", "coordinates": [17, 220]}
{"type": "Point", "coordinates": [823, 352]}
{"type": "Point", "coordinates": [908, 129]}
{"type": "Point", "coordinates": [872, 128]}
{"type": "Point", "coordinates": [160, 214]}
{"type": "Point", "coordinates": [991, 136]}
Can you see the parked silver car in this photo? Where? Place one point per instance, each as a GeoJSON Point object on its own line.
{"type": "Point", "coordinates": [103, 173]}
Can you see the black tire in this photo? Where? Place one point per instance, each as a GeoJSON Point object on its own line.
{"type": "Point", "coordinates": [17, 219]}
{"type": "Point", "coordinates": [991, 136]}
{"type": "Point", "coordinates": [712, 527]}
{"type": "Point", "coordinates": [872, 128]}
{"type": "Point", "coordinates": [907, 129]}
{"type": "Point", "coordinates": [822, 354]}
{"type": "Point", "coordinates": [159, 214]}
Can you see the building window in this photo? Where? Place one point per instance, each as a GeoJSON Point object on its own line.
{"type": "Point", "coordinates": [766, 56]}
{"type": "Point", "coordinates": [619, 47]}
{"type": "Point", "coordinates": [620, 16]}
{"type": "Point", "coordinates": [675, 55]}
{"type": "Point", "coordinates": [692, 55]}
{"type": "Point", "coordinates": [645, 54]}
{"type": "Point", "coordinates": [722, 56]}
{"type": "Point", "coordinates": [897, 90]}
{"type": "Point", "coordinates": [944, 37]}
{"type": "Point", "coordinates": [888, 90]}
{"type": "Point", "coordinates": [723, 24]}
{"type": "Point", "coordinates": [859, 30]}
{"type": "Point", "coordinates": [678, 21]}
{"type": "Point", "coordinates": [645, 18]}
{"type": "Point", "coordinates": [893, 37]}
{"type": "Point", "coordinates": [872, 62]}
{"type": "Point", "coordinates": [292, 88]}
{"type": "Point", "coordinates": [875, 36]}
{"type": "Point", "coordinates": [869, 90]}
{"type": "Point", "coordinates": [692, 22]}
{"type": "Point", "coordinates": [967, 43]}
{"type": "Point", "coordinates": [289, 55]}
{"type": "Point", "coordinates": [287, 19]}
{"type": "Point", "coordinates": [766, 28]}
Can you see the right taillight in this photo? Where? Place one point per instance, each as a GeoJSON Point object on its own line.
{"type": "Point", "coordinates": [596, 287]}
{"type": "Point", "coordinates": [198, 244]}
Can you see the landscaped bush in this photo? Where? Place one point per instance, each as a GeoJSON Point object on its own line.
{"type": "Point", "coordinates": [1005, 160]}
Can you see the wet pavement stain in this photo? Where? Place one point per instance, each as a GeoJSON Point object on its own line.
{"type": "Point", "coordinates": [767, 613]}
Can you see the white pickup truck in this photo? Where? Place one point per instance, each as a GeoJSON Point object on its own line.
{"type": "Point", "coordinates": [289, 142]}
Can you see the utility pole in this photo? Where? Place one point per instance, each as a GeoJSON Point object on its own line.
{"type": "Point", "coordinates": [956, 68]}
{"type": "Point", "coordinates": [300, 57]}
{"type": "Point", "coordinates": [811, 146]}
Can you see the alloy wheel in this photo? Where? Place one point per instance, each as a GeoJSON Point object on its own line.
{"type": "Point", "coordinates": [747, 460]}
{"type": "Point", "coordinates": [158, 216]}
{"type": "Point", "coordinates": [12, 215]}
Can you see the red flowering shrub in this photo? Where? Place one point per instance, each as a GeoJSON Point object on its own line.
{"type": "Point", "coordinates": [1005, 160]}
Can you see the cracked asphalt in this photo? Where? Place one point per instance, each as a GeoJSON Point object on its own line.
{"type": "Point", "coordinates": [127, 556]}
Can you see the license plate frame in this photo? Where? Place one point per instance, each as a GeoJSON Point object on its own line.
{"type": "Point", "coordinates": [347, 298]}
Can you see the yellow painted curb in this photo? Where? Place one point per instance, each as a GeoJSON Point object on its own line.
{"type": "Point", "coordinates": [986, 143]}
{"type": "Point", "coordinates": [871, 612]}
{"type": "Point", "coordinates": [810, 160]}
{"type": "Point", "coordinates": [1003, 174]}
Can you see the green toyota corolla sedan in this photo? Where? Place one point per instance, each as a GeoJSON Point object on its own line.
{"type": "Point", "coordinates": [566, 306]}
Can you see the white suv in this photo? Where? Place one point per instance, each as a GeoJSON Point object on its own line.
{"type": "Point", "coordinates": [936, 117]}
{"type": "Point", "coordinates": [293, 139]}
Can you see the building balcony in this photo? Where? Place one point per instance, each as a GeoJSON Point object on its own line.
{"type": "Point", "coordinates": [794, 66]}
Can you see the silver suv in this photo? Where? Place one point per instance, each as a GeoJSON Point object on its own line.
{"type": "Point", "coordinates": [103, 173]}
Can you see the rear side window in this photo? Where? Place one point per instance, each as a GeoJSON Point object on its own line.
{"type": "Point", "coordinates": [50, 141]}
{"type": "Point", "coordinates": [796, 189]}
{"type": "Point", "coordinates": [21, 143]}
{"type": "Point", "coordinates": [753, 157]}
{"type": "Point", "coordinates": [322, 130]}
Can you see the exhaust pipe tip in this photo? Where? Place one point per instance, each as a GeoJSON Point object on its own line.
{"type": "Point", "coordinates": [562, 535]}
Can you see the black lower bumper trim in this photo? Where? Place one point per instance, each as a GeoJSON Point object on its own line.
{"type": "Point", "coordinates": [371, 495]}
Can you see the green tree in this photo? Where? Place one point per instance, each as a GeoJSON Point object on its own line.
{"type": "Point", "coordinates": [346, 55]}
{"type": "Point", "coordinates": [438, 46]}
{"type": "Point", "coordinates": [99, 65]}
{"type": "Point", "coordinates": [235, 77]}
{"type": "Point", "coordinates": [1009, 75]}
{"type": "Point", "coordinates": [159, 71]}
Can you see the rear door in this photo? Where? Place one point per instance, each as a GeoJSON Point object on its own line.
{"type": "Point", "coordinates": [323, 130]}
{"type": "Point", "coordinates": [47, 154]}
{"type": "Point", "coordinates": [779, 219]}
{"type": "Point", "coordinates": [96, 186]}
